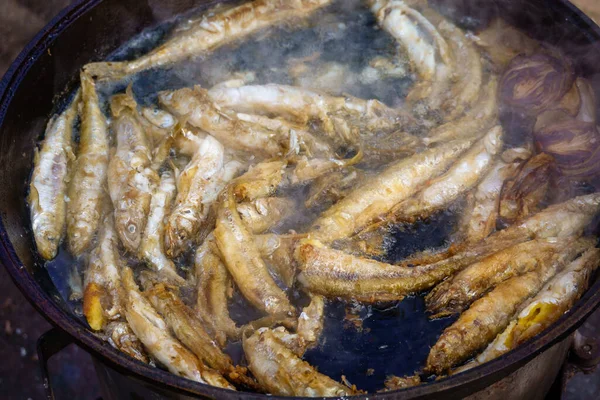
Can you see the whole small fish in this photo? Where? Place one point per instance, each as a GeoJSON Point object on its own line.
{"type": "Point", "coordinates": [214, 287]}
{"type": "Point", "coordinates": [460, 178]}
{"type": "Point", "coordinates": [87, 188]}
{"type": "Point", "coordinates": [153, 332]}
{"type": "Point", "coordinates": [103, 293]}
{"type": "Point", "coordinates": [208, 33]}
{"type": "Point", "coordinates": [48, 187]}
{"type": "Point", "coordinates": [491, 314]}
{"type": "Point", "coordinates": [543, 309]}
{"type": "Point", "coordinates": [131, 180]}
{"type": "Point", "coordinates": [243, 259]}
{"type": "Point", "coordinates": [152, 248]}
{"type": "Point", "coordinates": [283, 373]}
{"type": "Point", "coordinates": [190, 210]}
{"type": "Point", "coordinates": [377, 196]}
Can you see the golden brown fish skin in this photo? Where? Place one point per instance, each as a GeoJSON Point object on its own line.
{"type": "Point", "coordinates": [208, 33]}
{"type": "Point", "coordinates": [264, 213]}
{"type": "Point", "coordinates": [152, 247]}
{"type": "Point", "coordinates": [214, 288]}
{"type": "Point", "coordinates": [480, 214]}
{"type": "Point", "coordinates": [469, 76]}
{"type": "Point", "coordinates": [87, 186]}
{"type": "Point", "coordinates": [489, 315]}
{"type": "Point", "coordinates": [153, 332]}
{"type": "Point", "coordinates": [48, 187]}
{"type": "Point", "coordinates": [131, 179]}
{"type": "Point", "coordinates": [190, 209]}
{"type": "Point", "coordinates": [334, 273]}
{"type": "Point", "coordinates": [569, 218]}
{"type": "Point", "coordinates": [283, 373]}
{"type": "Point", "coordinates": [103, 293]}
{"type": "Point", "coordinates": [194, 105]}
{"type": "Point", "coordinates": [122, 338]}
{"type": "Point", "coordinates": [459, 291]}
{"type": "Point", "coordinates": [460, 178]}
{"type": "Point", "coordinates": [557, 297]}
{"type": "Point", "coordinates": [477, 120]}
{"type": "Point", "coordinates": [538, 313]}
{"type": "Point", "coordinates": [244, 261]}
{"type": "Point", "coordinates": [378, 196]}
{"type": "Point", "coordinates": [562, 220]}
{"type": "Point", "coordinates": [187, 327]}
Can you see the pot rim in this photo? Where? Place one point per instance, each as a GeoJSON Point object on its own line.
{"type": "Point", "coordinates": [455, 386]}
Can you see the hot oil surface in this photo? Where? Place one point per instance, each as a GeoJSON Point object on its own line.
{"type": "Point", "coordinates": [338, 43]}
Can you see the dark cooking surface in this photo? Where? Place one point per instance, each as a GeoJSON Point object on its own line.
{"type": "Point", "coordinates": [73, 372]}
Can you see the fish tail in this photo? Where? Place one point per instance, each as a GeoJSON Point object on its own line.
{"type": "Point", "coordinates": [111, 71]}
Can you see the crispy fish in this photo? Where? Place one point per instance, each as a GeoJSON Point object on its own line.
{"type": "Point", "coordinates": [283, 373]}
{"type": "Point", "coordinates": [378, 196]}
{"type": "Point", "coordinates": [334, 273]}
{"type": "Point", "coordinates": [214, 287]}
{"type": "Point", "coordinates": [48, 187]}
{"type": "Point", "coordinates": [260, 181]}
{"type": "Point", "coordinates": [393, 17]}
{"type": "Point", "coordinates": [561, 220]}
{"type": "Point", "coordinates": [459, 291]}
{"type": "Point", "coordinates": [469, 78]}
{"type": "Point", "coordinates": [103, 294]}
{"type": "Point", "coordinates": [190, 210]}
{"type": "Point", "coordinates": [207, 33]}
{"type": "Point", "coordinates": [188, 328]}
{"type": "Point", "coordinates": [491, 314]}
{"type": "Point", "coordinates": [86, 190]}
{"type": "Point", "coordinates": [538, 313]}
{"type": "Point", "coordinates": [131, 180]}
{"type": "Point", "coordinates": [153, 332]}
{"type": "Point", "coordinates": [479, 216]}
{"type": "Point", "coordinates": [199, 111]}
{"type": "Point", "coordinates": [152, 247]}
{"type": "Point", "coordinates": [429, 52]}
{"type": "Point", "coordinates": [304, 105]}
{"type": "Point", "coordinates": [244, 261]}
{"type": "Point", "coordinates": [461, 177]}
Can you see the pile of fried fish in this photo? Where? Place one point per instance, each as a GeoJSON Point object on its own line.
{"type": "Point", "coordinates": [207, 171]}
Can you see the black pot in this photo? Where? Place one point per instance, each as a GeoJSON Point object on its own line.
{"type": "Point", "coordinates": [91, 29]}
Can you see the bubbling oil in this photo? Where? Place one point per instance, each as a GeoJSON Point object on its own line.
{"type": "Point", "coordinates": [340, 49]}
